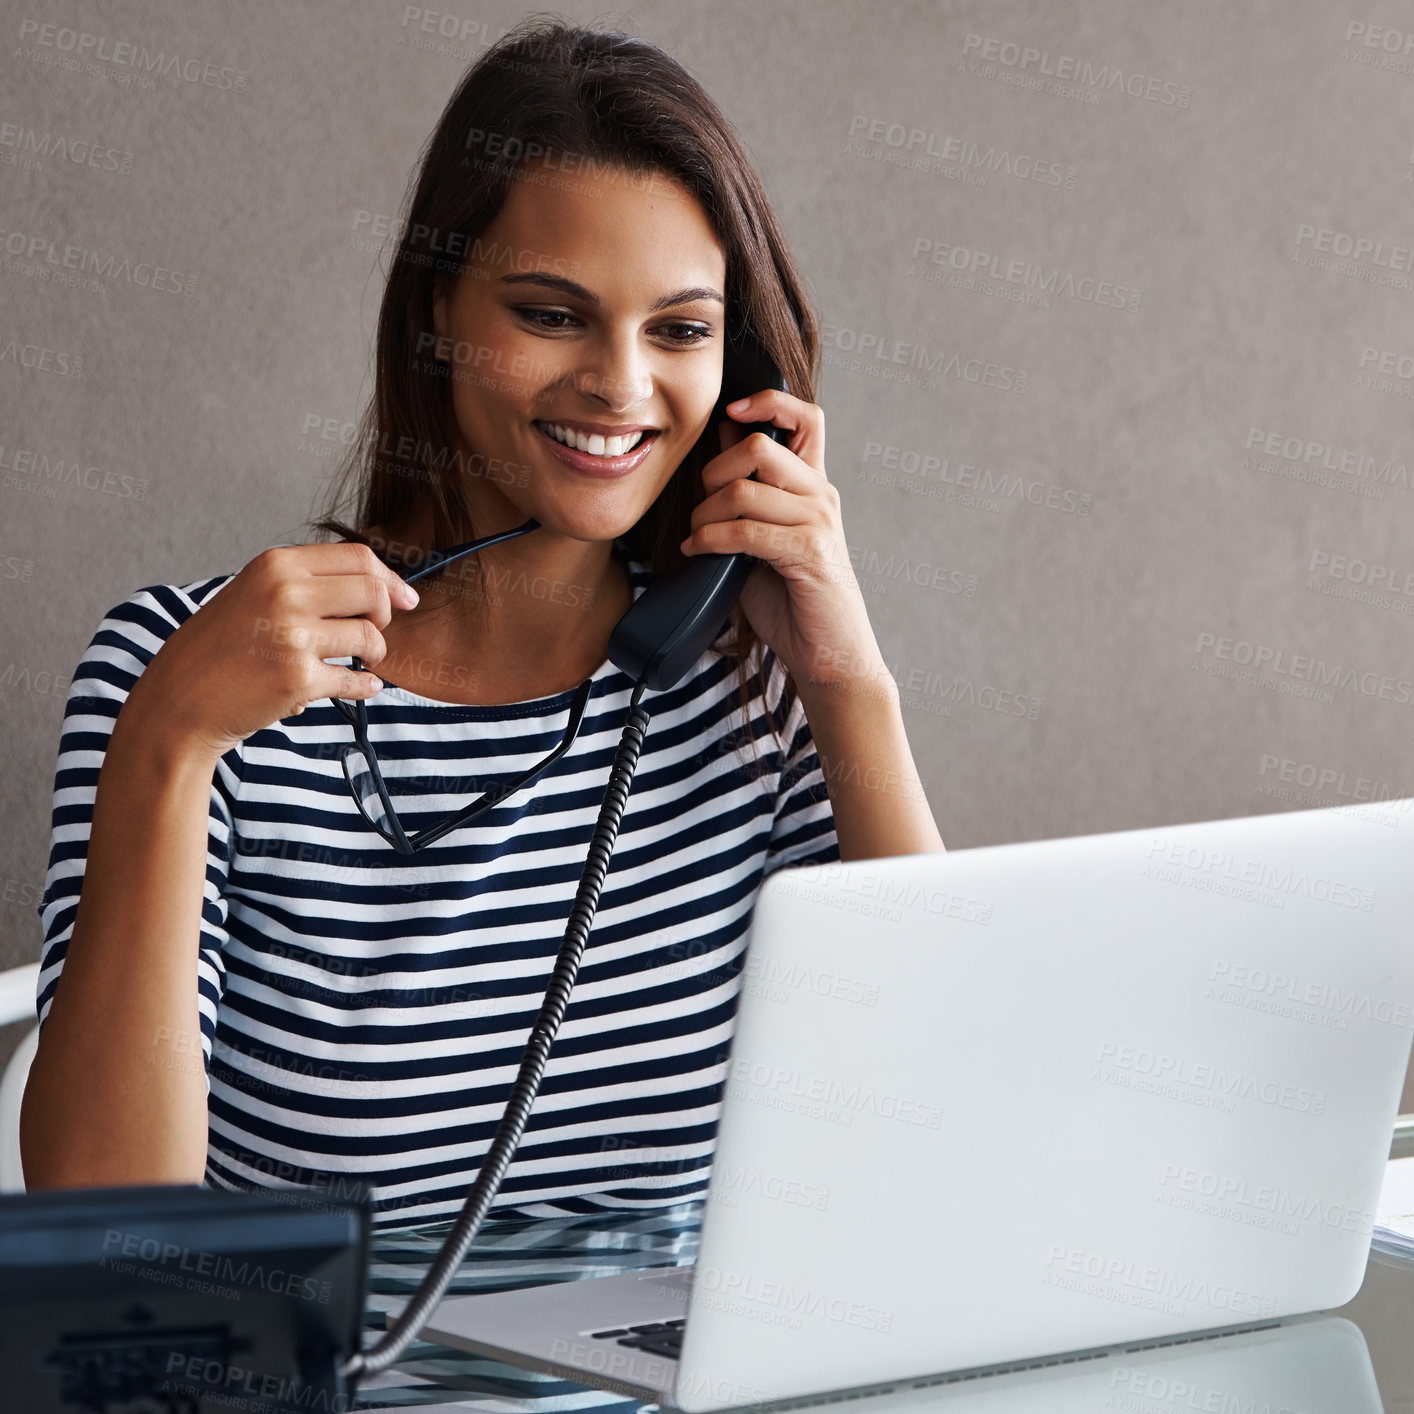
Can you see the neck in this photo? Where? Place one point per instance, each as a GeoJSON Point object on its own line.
{"type": "Point", "coordinates": [526, 618]}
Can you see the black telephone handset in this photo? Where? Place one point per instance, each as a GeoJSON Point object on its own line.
{"type": "Point", "coordinates": [674, 620]}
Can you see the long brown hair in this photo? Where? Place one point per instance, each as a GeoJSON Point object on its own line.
{"type": "Point", "coordinates": [588, 100]}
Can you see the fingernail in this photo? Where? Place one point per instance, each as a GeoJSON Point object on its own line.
{"type": "Point", "coordinates": [410, 591]}
{"type": "Point", "coordinates": [738, 405]}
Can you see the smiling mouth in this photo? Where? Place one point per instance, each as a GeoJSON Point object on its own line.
{"type": "Point", "coordinates": [594, 444]}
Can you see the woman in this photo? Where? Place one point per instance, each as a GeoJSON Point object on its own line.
{"type": "Point", "coordinates": [582, 226]}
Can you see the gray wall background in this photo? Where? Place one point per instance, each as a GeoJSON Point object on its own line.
{"type": "Point", "coordinates": [1179, 234]}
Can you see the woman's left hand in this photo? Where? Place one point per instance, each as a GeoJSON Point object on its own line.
{"type": "Point", "coordinates": [810, 610]}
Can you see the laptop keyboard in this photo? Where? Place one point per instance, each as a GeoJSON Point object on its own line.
{"type": "Point", "coordinates": [653, 1338]}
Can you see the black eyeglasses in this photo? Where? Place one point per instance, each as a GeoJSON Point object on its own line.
{"type": "Point", "coordinates": [360, 761]}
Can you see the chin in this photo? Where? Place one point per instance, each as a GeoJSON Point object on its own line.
{"type": "Point", "coordinates": [591, 529]}
{"type": "Point", "coordinates": [601, 517]}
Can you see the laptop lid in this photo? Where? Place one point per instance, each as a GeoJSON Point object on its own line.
{"type": "Point", "coordinates": [1000, 1102]}
{"type": "Point", "coordinates": [1313, 1364]}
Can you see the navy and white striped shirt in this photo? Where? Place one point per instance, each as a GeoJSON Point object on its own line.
{"type": "Point", "coordinates": [363, 1013]}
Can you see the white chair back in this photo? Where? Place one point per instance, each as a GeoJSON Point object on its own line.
{"type": "Point", "coordinates": [17, 991]}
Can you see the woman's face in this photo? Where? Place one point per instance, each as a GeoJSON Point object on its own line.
{"type": "Point", "coordinates": [593, 304]}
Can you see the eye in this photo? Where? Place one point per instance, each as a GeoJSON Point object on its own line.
{"type": "Point", "coordinates": [541, 317]}
{"type": "Point", "coordinates": [680, 333]}
{"type": "Point", "coordinates": [687, 334]}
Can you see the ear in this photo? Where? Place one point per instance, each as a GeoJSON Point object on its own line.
{"type": "Point", "coordinates": [441, 299]}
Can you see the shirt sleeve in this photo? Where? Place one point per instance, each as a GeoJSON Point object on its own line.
{"type": "Point", "coordinates": [124, 644]}
{"type": "Point", "coordinates": [803, 831]}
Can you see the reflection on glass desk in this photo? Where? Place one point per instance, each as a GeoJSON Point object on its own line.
{"type": "Point", "coordinates": [1358, 1360]}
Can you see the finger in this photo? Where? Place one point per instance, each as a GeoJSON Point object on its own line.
{"type": "Point", "coordinates": [348, 557]}
{"type": "Point", "coordinates": [790, 548]}
{"type": "Point", "coordinates": [770, 462]}
{"type": "Point", "coordinates": [341, 638]}
{"type": "Point", "coordinates": [339, 596]}
{"type": "Point", "coordinates": [753, 500]}
{"type": "Point", "coordinates": [305, 638]}
{"type": "Point", "coordinates": [804, 421]}
{"type": "Point", "coordinates": [346, 683]}
{"type": "Point", "coordinates": [729, 537]}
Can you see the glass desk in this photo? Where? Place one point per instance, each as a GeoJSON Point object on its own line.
{"type": "Point", "coordinates": [507, 1255]}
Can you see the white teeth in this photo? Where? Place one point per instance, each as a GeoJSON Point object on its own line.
{"type": "Point", "coordinates": [594, 444]}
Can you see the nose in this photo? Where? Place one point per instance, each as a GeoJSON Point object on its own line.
{"type": "Point", "coordinates": [617, 374]}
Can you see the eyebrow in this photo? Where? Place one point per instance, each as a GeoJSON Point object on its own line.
{"type": "Point", "coordinates": [570, 287]}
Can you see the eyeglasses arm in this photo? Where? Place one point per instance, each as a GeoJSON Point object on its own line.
{"type": "Point", "coordinates": [436, 559]}
{"type": "Point", "coordinates": [505, 788]}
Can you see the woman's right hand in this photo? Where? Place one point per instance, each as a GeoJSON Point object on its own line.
{"type": "Point", "coordinates": [252, 654]}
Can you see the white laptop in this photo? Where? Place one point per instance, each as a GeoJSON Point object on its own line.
{"type": "Point", "coordinates": [1311, 1364]}
{"type": "Point", "coordinates": [999, 1104]}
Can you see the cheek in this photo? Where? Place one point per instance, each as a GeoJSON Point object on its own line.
{"type": "Point", "coordinates": [468, 400]}
{"type": "Point", "coordinates": [493, 383]}
{"type": "Point", "coordinates": [497, 361]}
{"type": "Point", "coordinates": [695, 402]}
